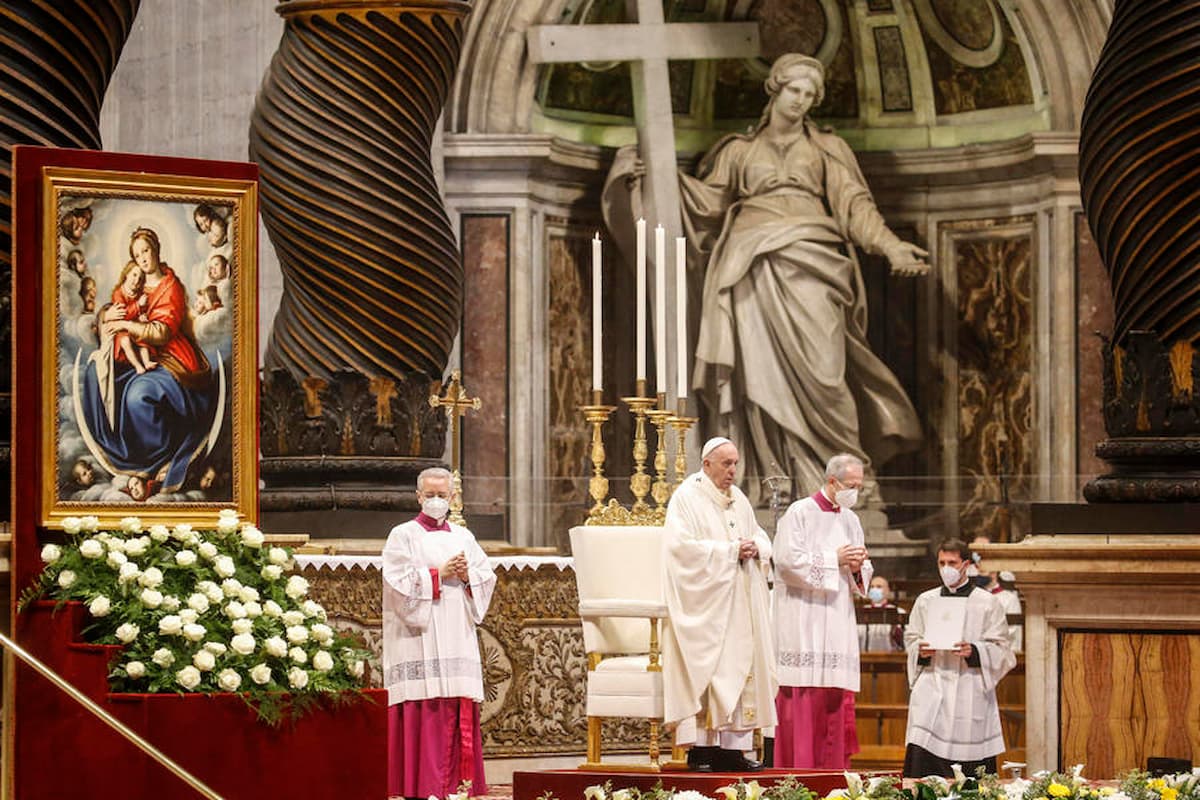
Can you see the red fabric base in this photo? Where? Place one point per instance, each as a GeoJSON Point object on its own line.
{"type": "Point", "coordinates": [816, 727]}
{"type": "Point", "coordinates": [433, 746]}
{"type": "Point", "coordinates": [62, 750]}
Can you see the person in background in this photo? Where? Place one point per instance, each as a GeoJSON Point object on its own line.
{"type": "Point", "coordinates": [881, 636]}
{"type": "Point", "coordinates": [993, 583]}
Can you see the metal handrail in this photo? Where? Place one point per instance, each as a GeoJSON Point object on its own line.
{"type": "Point", "coordinates": [109, 719]}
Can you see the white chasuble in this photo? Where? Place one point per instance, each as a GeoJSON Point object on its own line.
{"type": "Point", "coordinates": [429, 644]}
{"type": "Point", "coordinates": [815, 630]}
{"type": "Point", "coordinates": [952, 709]}
{"type": "Point", "coordinates": [717, 642]}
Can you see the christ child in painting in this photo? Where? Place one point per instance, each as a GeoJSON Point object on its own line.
{"type": "Point", "coordinates": [130, 293]}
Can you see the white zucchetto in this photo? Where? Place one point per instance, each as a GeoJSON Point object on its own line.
{"type": "Point", "coordinates": [713, 444]}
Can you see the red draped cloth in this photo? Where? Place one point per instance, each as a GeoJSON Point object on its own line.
{"type": "Point", "coordinates": [816, 727]}
{"type": "Point", "coordinates": [433, 746]}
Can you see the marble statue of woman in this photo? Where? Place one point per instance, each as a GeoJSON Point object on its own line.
{"type": "Point", "coordinates": [782, 363]}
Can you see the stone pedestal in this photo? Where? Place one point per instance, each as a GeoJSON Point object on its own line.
{"type": "Point", "coordinates": [1112, 634]}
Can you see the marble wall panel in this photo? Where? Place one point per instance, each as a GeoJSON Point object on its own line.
{"type": "Point", "coordinates": [486, 249]}
{"type": "Point", "coordinates": [893, 69]}
{"type": "Point", "coordinates": [1094, 315]}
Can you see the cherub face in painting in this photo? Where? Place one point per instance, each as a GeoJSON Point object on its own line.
{"type": "Point", "coordinates": [135, 281]}
{"type": "Point", "coordinates": [218, 268]}
{"type": "Point", "coordinates": [83, 474]}
{"type": "Point", "coordinates": [137, 488]}
{"type": "Point", "coordinates": [208, 478]}
{"type": "Point", "coordinates": [217, 230]}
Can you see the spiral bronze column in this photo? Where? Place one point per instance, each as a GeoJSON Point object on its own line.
{"type": "Point", "coordinates": [59, 56]}
{"type": "Point", "coordinates": [341, 131]}
{"type": "Point", "coordinates": [1139, 171]}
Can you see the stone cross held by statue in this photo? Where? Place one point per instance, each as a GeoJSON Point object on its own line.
{"type": "Point", "coordinates": [457, 403]}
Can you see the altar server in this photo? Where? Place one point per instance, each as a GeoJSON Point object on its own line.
{"type": "Point", "coordinates": [953, 717]}
{"type": "Point", "coordinates": [718, 672]}
{"type": "Point", "coordinates": [437, 584]}
{"type": "Point", "coordinates": [821, 563]}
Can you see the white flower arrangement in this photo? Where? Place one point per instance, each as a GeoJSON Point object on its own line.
{"type": "Point", "coordinates": [200, 611]}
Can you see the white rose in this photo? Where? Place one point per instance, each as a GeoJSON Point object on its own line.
{"type": "Point", "coordinates": [90, 523]}
{"type": "Point", "coordinates": [297, 678]}
{"type": "Point", "coordinates": [276, 647]}
{"type": "Point", "coordinates": [224, 566]}
{"type": "Point", "coordinates": [252, 537]}
{"type": "Point", "coordinates": [115, 544]}
{"type": "Point", "coordinates": [131, 525]}
{"type": "Point", "coordinates": [182, 531]}
{"type": "Point", "coordinates": [248, 594]}
{"type": "Point", "coordinates": [51, 553]}
{"type": "Point", "coordinates": [159, 533]}
{"type": "Point", "coordinates": [152, 578]}
{"type": "Point", "coordinates": [170, 603]}
{"type": "Point", "coordinates": [312, 608]}
{"type": "Point", "coordinates": [100, 606]}
{"type": "Point", "coordinates": [90, 548]}
{"type": "Point", "coordinates": [127, 632]}
{"type": "Point", "coordinates": [272, 609]}
{"type": "Point", "coordinates": [163, 657]}
{"type": "Point", "coordinates": [66, 578]}
{"type": "Point", "coordinates": [242, 626]}
{"type": "Point", "coordinates": [277, 556]}
{"type": "Point", "coordinates": [235, 610]}
{"type": "Point", "coordinates": [272, 572]}
{"type": "Point", "coordinates": [204, 660]}
{"type": "Point", "coordinates": [260, 674]}
{"type": "Point", "coordinates": [198, 603]}
{"type": "Point", "coordinates": [135, 669]}
{"type": "Point", "coordinates": [231, 587]}
{"type": "Point", "coordinates": [137, 547]}
{"type": "Point", "coordinates": [229, 680]}
{"type": "Point", "coordinates": [188, 615]}
{"type": "Point", "coordinates": [211, 591]}
{"type": "Point", "coordinates": [71, 525]}
{"type": "Point", "coordinates": [291, 618]}
{"type": "Point", "coordinates": [208, 550]}
{"type": "Point", "coordinates": [321, 633]}
{"type": "Point", "coordinates": [151, 598]}
{"type": "Point", "coordinates": [116, 558]}
{"type": "Point", "coordinates": [297, 634]}
{"type": "Point", "coordinates": [185, 558]}
{"type": "Point", "coordinates": [193, 632]}
{"type": "Point", "coordinates": [253, 609]}
{"type": "Point", "coordinates": [227, 524]}
{"type": "Point", "coordinates": [322, 661]}
{"type": "Point", "coordinates": [128, 572]}
{"type": "Point", "coordinates": [216, 648]}
{"type": "Point", "coordinates": [170, 625]}
{"type": "Point", "coordinates": [298, 655]}
{"type": "Point", "coordinates": [357, 668]}
{"type": "Point", "coordinates": [296, 588]}
{"type": "Point", "coordinates": [188, 677]}
{"type": "Point", "coordinates": [242, 644]}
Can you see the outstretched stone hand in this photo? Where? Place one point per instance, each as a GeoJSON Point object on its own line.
{"type": "Point", "coordinates": [908, 260]}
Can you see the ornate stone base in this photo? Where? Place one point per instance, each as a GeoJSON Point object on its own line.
{"type": "Point", "coordinates": [1148, 470]}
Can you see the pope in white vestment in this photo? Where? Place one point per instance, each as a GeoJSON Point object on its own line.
{"type": "Point", "coordinates": [718, 668]}
{"type": "Point", "coordinates": [437, 584]}
{"type": "Point", "coordinates": [953, 716]}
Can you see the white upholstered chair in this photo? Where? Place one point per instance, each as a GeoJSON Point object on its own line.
{"type": "Point", "coordinates": [619, 574]}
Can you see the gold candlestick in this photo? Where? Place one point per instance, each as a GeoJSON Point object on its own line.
{"type": "Point", "coordinates": [661, 490]}
{"type": "Point", "coordinates": [597, 414]}
{"type": "Point", "coordinates": [682, 423]}
{"type": "Point", "coordinates": [639, 482]}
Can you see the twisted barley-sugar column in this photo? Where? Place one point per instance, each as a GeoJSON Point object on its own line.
{"type": "Point", "coordinates": [341, 132]}
{"type": "Point", "coordinates": [59, 56]}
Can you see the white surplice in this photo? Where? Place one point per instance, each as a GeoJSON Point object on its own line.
{"type": "Point", "coordinates": [952, 709]}
{"type": "Point", "coordinates": [717, 643]}
{"type": "Point", "coordinates": [429, 645]}
{"type": "Point", "coordinates": [816, 635]}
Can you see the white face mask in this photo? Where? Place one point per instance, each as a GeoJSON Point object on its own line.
{"type": "Point", "coordinates": [951, 576]}
{"type": "Point", "coordinates": [435, 507]}
{"type": "Point", "coordinates": [875, 594]}
{"type": "Point", "coordinates": [846, 498]}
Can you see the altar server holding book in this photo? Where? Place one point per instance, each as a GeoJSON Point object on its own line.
{"type": "Point", "coordinates": [958, 650]}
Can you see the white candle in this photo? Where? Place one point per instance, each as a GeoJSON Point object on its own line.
{"type": "Point", "coordinates": [641, 300]}
{"type": "Point", "coordinates": [681, 316]}
{"type": "Point", "coordinates": [660, 309]}
{"type": "Point", "coordinates": [597, 354]}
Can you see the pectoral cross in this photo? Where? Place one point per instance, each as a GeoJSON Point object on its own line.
{"type": "Point", "coordinates": [457, 403]}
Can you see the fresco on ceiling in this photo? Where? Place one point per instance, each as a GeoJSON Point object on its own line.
{"type": "Point", "coordinates": [965, 31]}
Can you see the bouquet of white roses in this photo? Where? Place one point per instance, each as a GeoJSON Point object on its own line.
{"type": "Point", "coordinates": [200, 611]}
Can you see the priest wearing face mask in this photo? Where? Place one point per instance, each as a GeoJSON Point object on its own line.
{"type": "Point", "coordinates": [437, 584]}
{"type": "Point", "coordinates": [718, 671]}
{"type": "Point", "coordinates": [821, 564]}
{"type": "Point", "coordinates": [953, 717]}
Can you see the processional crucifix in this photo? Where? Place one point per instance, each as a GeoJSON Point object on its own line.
{"type": "Point", "coordinates": [457, 403]}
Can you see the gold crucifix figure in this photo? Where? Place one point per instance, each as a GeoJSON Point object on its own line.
{"type": "Point", "coordinates": [457, 403]}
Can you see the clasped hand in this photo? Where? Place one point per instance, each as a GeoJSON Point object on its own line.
{"type": "Point", "coordinates": [852, 556]}
{"type": "Point", "coordinates": [747, 549]}
{"type": "Point", "coordinates": [456, 567]}
{"type": "Point", "coordinates": [962, 649]}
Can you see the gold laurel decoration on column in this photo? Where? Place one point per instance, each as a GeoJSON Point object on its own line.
{"type": "Point", "coordinates": [341, 131]}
